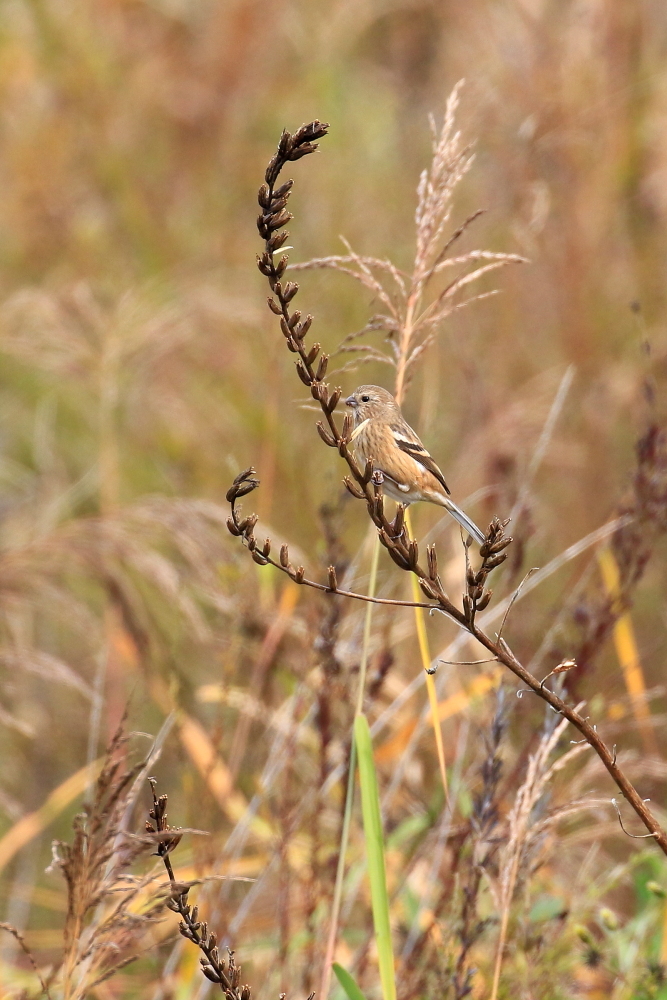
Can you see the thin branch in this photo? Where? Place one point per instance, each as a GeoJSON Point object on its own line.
{"type": "Point", "coordinates": [635, 836]}
{"type": "Point", "coordinates": [514, 597]}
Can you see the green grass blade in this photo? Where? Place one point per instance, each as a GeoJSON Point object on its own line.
{"type": "Point", "coordinates": [348, 983]}
{"type": "Point", "coordinates": [370, 806]}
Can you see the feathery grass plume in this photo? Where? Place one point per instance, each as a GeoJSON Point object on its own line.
{"type": "Point", "coordinates": [525, 829]}
{"type": "Point", "coordinates": [109, 911]}
{"type": "Point", "coordinates": [416, 305]}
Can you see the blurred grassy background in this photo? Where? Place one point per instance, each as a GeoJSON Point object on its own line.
{"type": "Point", "coordinates": [140, 371]}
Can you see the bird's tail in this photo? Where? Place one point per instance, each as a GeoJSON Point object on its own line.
{"type": "Point", "coordinates": [463, 519]}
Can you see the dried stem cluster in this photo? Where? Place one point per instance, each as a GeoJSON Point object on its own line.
{"type": "Point", "coordinates": [367, 485]}
{"type": "Point", "coordinates": [109, 910]}
{"type": "Point", "coordinates": [225, 974]}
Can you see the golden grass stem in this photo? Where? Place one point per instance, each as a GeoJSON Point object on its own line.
{"type": "Point", "coordinates": [349, 795]}
{"type": "Point", "coordinates": [628, 654]}
{"type": "Point", "coordinates": [422, 637]}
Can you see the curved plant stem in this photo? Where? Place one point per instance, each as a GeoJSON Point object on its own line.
{"type": "Point", "coordinates": [349, 796]}
{"type": "Point", "coordinates": [420, 624]}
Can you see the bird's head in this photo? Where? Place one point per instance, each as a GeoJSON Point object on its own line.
{"type": "Point", "coordinates": [370, 401]}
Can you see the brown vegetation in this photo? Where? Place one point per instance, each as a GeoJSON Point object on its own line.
{"type": "Point", "coordinates": [140, 373]}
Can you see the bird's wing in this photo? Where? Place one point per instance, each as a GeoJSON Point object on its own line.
{"type": "Point", "coordinates": [408, 442]}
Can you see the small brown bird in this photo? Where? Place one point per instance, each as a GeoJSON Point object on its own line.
{"type": "Point", "coordinates": [382, 435]}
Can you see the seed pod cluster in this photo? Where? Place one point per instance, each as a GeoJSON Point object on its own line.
{"type": "Point", "coordinates": [476, 597]}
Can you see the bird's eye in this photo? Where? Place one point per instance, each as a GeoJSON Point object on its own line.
{"type": "Point", "coordinates": [365, 399]}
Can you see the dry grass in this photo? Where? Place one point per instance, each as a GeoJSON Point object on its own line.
{"type": "Point", "coordinates": [140, 373]}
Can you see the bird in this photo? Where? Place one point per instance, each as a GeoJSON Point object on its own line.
{"type": "Point", "coordinates": [382, 436]}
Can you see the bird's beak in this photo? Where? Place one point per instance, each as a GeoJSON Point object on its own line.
{"type": "Point", "coordinates": [351, 401]}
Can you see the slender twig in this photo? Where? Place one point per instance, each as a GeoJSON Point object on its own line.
{"type": "Point", "coordinates": [514, 597]}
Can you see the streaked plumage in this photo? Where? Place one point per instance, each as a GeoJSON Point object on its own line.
{"type": "Point", "coordinates": [382, 436]}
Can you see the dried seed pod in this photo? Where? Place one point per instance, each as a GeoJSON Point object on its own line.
{"type": "Point", "coordinates": [211, 974]}
{"type": "Point", "coordinates": [305, 326]}
{"type": "Point", "coordinates": [315, 390]}
{"type": "Point", "coordinates": [231, 527]}
{"type": "Point", "coordinates": [284, 144]}
{"type": "Point", "coordinates": [346, 432]}
{"type": "Point", "coordinates": [324, 434]}
{"type": "Point", "coordinates": [283, 189]}
{"type": "Point", "coordinates": [263, 265]}
{"type": "Point", "coordinates": [501, 544]}
{"type": "Point", "coordinates": [308, 147]}
{"type": "Point", "coordinates": [324, 395]}
{"type": "Point", "coordinates": [302, 373]}
{"type": "Point", "coordinates": [312, 353]}
{"type": "Point", "coordinates": [496, 560]}
{"type": "Point", "coordinates": [484, 600]}
{"type": "Point", "coordinates": [241, 487]}
{"type": "Point", "coordinates": [266, 551]}
{"type": "Point", "coordinates": [259, 559]}
{"type": "Point", "coordinates": [299, 574]}
{"type": "Point", "coordinates": [293, 347]}
{"type": "Point", "coordinates": [273, 306]}
{"type": "Point", "coordinates": [413, 553]}
{"type": "Point", "coordinates": [294, 319]}
{"type": "Point", "coordinates": [272, 169]}
{"type": "Point", "coordinates": [250, 522]}
{"type": "Point", "coordinates": [290, 290]}
{"type": "Point", "coordinates": [378, 504]}
{"type": "Point", "coordinates": [432, 561]}
{"type": "Point", "coordinates": [284, 556]}
{"type": "Point", "coordinates": [322, 366]}
{"type": "Point", "coordinates": [429, 590]}
{"type": "Point", "coordinates": [278, 220]}
{"type": "Point", "coordinates": [368, 472]}
{"type": "Point", "coordinates": [333, 582]}
{"type": "Point", "coordinates": [276, 241]}
{"type": "Point", "coordinates": [281, 266]}
{"type": "Point", "coordinates": [264, 196]}
{"type": "Point", "coordinates": [399, 521]}
{"type": "Point", "coordinates": [397, 556]}
{"type": "Point", "coordinates": [312, 131]}
{"type": "Point", "coordinates": [333, 399]}
{"type": "Point", "coordinates": [471, 576]}
{"type": "Point", "coordinates": [467, 608]}
{"type": "Point", "coordinates": [352, 488]}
